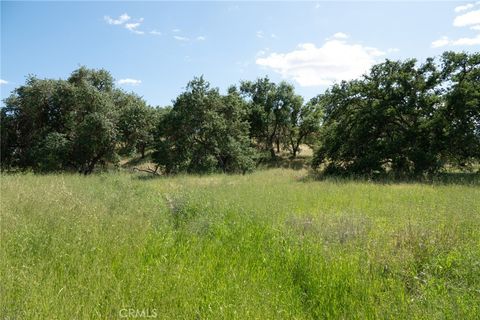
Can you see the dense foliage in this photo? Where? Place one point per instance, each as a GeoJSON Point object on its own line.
{"type": "Point", "coordinates": [401, 117]}
{"type": "Point", "coordinates": [205, 132]}
{"type": "Point", "coordinates": [73, 124]}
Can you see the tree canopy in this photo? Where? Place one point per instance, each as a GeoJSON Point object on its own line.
{"type": "Point", "coordinates": [73, 124]}
{"type": "Point", "coordinates": [205, 132]}
{"type": "Point", "coordinates": [404, 117]}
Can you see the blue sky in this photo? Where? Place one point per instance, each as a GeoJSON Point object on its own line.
{"type": "Point", "coordinates": [155, 48]}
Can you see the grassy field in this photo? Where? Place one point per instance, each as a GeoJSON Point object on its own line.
{"type": "Point", "coordinates": [270, 245]}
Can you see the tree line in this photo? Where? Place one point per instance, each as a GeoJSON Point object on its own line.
{"type": "Point", "coordinates": [402, 116]}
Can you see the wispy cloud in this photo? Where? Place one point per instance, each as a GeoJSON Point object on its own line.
{"type": "Point", "coordinates": [2, 82]}
{"type": "Point", "coordinates": [133, 27]}
{"type": "Point", "coordinates": [124, 20]}
{"type": "Point", "coordinates": [260, 34]}
{"type": "Point", "coordinates": [180, 38]}
{"type": "Point", "coordinates": [176, 30]}
{"type": "Point", "coordinates": [184, 38]}
{"type": "Point", "coordinates": [156, 33]}
{"type": "Point", "coordinates": [310, 65]}
{"type": "Point", "coordinates": [392, 50]}
{"type": "Point", "coordinates": [470, 19]}
{"type": "Point", "coordinates": [120, 20]}
{"type": "Point", "coordinates": [129, 82]}
{"type": "Point", "coordinates": [466, 41]}
{"type": "Point", "coordinates": [464, 7]}
{"type": "Point", "coordinates": [340, 35]}
{"type": "Point", "coordinates": [442, 42]}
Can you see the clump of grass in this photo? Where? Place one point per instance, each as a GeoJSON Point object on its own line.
{"type": "Point", "coordinates": [271, 244]}
{"type": "Point", "coordinates": [332, 229]}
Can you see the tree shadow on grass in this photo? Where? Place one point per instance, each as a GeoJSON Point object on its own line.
{"type": "Point", "coordinates": [298, 163]}
{"type": "Point", "coordinates": [137, 160]}
{"type": "Point", "coordinates": [443, 178]}
{"type": "Point", "coordinates": [147, 176]}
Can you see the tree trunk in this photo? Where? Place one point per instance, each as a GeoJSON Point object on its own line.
{"type": "Point", "coordinates": [296, 146]}
{"type": "Point", "coordinates": [272, 153]}
{"type": "Point", "coordinates": [271, 141]}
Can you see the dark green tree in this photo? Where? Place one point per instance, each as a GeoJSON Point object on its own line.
{"type": "Point", "coordinates": [31, 113]}
{"type": "Point", "coordinates": [8, 137]}
{"type": "Point", "coordinates": [94, 142]}
{"type": "Point", "coordinates": [459, 115]}
{"type": "Point", "coordinates": [136, 124]}
{"type": "Point", "coordinates": [304, 123]}
{"type": "Point", "coordinates": [270, 112]}
{"type": "Point", "coordinates": [382, 122]}
{"type": "Point", "coordinates": [204, 132]}
{"type": "Point", "coordinates": [51, 125]}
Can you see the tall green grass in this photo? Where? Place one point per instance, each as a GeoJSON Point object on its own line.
{"type": "Point", "coordinates": [270, 245]}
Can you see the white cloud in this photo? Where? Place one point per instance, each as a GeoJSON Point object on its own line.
{"type": "Point", "coordinates": [335, 60]}
{"type": "Point", "coordinates": [464, 7]}
{"type": "Point", "coordinates": [133, 27]}
{"type": "Point", "coordinates": [467, 19]}
{"type": "Point", "coordinates": [186, 39]}
{"type": "Point", "coordinates": [467, 41]}
{"type": "Point", "coordinates": [260, 34]}
{"type": "Point", "coordinates": [374, 52]}
{"type": "Point", "coordinates": [121, 20]}
{"type": "Point", "coordinates": [179, 38]}
{"type": "Point", "coordinates": [130, 82]}
{"type": "Point", "coordinates": [156, 33]}
{"type": "Point", "coordinates": [176, 30]}
{"type": "Point", "coordinates": [317, 6]}
{"type": "Point", "coordinates": [442, 42]}
{"type": "Point", "coordinates": [2, 82]}
{"type": "Point", "coordinates": [392, 50]}
{"type": "Point", "coordinates": [340, 35]}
